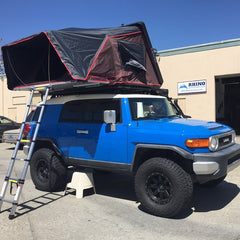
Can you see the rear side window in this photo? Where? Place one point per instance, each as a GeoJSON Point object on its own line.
{"type": "Point", "coordinates": [34, 115]}
{"type": "Point", "coordinates": [89, 111]}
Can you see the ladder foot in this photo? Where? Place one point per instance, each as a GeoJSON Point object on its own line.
{"type": "Point", "coordinates": [11, 216]}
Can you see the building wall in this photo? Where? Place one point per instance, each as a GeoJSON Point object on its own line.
{"type": "Point", "coordinates": [13, 103]}
{"type": "Point", "coordinates": [189, 66]}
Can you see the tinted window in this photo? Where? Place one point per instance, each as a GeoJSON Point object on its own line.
{"type": "Point", "coordinates": [4, 120]}
{"type": "Point", "coordinates": [89, 111]}
{"type": "Point", "coordinates": [34, 115]}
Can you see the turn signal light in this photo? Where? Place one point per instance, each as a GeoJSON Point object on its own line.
{"type": "Point", "coordinates": [197, 143]}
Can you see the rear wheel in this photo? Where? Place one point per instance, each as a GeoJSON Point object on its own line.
{"type": "Point", "coordinates": [47, 170]}
{"type": "Point", "coordinates": [162, 187]}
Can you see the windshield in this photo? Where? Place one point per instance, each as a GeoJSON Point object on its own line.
{"type": "Point", "coordinates": [151, 108]}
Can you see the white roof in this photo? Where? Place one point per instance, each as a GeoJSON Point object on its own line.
{"type": "Point", "coordinates": [67, 98]}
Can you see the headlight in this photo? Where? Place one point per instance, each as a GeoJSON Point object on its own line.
{"type": "Point", "coordinates": [213, 143]}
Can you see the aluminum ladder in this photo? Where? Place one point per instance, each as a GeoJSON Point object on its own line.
{"type": "Point", "coordinates": [20, 181]}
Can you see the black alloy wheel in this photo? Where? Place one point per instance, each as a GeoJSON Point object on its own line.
{"type": "Point", "coordinates": [43, 170]}
{"type": "Point", "coordinates": [159, 188]}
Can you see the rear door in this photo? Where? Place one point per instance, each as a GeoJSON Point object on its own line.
{"type": "Point", "coordinates": [84, 135]}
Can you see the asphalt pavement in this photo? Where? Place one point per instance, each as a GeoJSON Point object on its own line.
{"type": "Point", "coordinates": [113, 213]}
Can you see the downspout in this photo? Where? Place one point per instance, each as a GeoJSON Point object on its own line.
{"type": "Point", "coordinates": [2, 102]}
{"type": "Point", "coordinates": [2, 81]}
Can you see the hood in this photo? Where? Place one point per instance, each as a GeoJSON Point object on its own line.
{"type": "Point", "coordinates": [182, 126]}
{"type": "Point", "coordinates": [174, 131]}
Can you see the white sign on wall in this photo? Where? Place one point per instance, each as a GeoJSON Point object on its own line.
{"type": "Point", "coordinates": [198, 86]}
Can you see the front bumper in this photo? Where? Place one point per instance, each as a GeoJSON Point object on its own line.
{"type": "Point", "coordinates": [214, 165]}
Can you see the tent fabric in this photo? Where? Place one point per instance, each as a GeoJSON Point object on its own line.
{"type": "Point", "coordinates": [121, 55]}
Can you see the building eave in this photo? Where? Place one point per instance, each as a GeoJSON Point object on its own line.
{"type": "Point", "coordinates": [199, 48]}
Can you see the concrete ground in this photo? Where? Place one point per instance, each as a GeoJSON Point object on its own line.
{"type": "Point", "coordinates": [112, 213]}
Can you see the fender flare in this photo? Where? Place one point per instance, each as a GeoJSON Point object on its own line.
{"type": "Point", "coordinates": [48, 142]}
{"type": "Point", "coordinates": [173, 148]}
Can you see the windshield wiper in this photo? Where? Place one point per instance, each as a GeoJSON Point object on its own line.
{"type": "Point", "coordinates": [147, 118]}
{"type": "Point", "coordinates": [175, 115]}
{"type": "Point", "coordinates": [151, 117]}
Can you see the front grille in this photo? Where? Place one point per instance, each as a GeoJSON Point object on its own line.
{"type": "Point", "coordinates": [226, 139]}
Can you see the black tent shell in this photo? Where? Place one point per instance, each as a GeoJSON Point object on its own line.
{"type": "Point", "coordinates": [121, 55]}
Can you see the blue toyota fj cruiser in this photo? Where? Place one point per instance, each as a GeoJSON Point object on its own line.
{"type": "Point", "coordinates": [141, 134]}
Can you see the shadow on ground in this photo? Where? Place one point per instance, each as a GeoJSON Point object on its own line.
{"type": "Point", "coordinates": [115, 185]}
{"type": "Point", "coordinates": [35, 203]}
{"type": "Point", "coordinates": [210, 199]}
{"type": "Point", "coordinates": [204, 199]}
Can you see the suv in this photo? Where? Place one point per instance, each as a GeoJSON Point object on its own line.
{"type": "Point", "coordinates": [140, 134]}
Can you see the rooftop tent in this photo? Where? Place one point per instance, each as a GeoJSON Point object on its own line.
{"type": "Point", "coordinates": [121, 55]}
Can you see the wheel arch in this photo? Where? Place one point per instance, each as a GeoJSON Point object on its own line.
{"type": "Point", "coordinates": [50, 144]}
{"type": "Point", "coordinates": [143, 152]}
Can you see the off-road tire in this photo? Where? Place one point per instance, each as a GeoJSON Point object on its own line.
{"type": "Point", "coordinates": [47, 170]}
{"type": "Point", "coordinates": [162, 187]}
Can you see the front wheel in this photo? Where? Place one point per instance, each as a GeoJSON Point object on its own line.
{"type": "Point", "coordinates": [162, 187]}
{"type": "Point", "coordinates": [47, 170]}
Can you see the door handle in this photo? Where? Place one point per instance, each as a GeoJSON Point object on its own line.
{"type": "Point", "coordinates": [82, 131]}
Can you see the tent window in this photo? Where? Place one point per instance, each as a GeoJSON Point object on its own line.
{"type": "Point", "coordinates": [132, 55]}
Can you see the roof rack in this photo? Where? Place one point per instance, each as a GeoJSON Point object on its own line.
{"type": "Point", "coordinates": [78, 87]}
{"type": "Point", "coordinates": [106, 89]}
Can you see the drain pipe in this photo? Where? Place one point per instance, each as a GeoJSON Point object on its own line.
{"type": "Point", "coordinates": [2, 80]}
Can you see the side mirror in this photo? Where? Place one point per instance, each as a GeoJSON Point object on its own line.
{"type": "Point", "coordinates": [110, 118]}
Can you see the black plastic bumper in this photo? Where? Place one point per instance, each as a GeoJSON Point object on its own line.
{"type": "Point", "coordinates": [226, 160]}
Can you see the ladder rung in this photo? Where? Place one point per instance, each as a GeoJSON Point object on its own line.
{"type": "Point", "coordinates": [13, 180]}
{"type": "Point", "coordinates": [25, 141]}
{"type": "Point", "coordinates": [36, 105]}
{"type": "Point", "coordinates": [20, 159]}
{"type": "Point", "coordinates": [33, 105]}
{"type": "Point", "coordinates": [32, 123]}
{"type": "Point", "coordinates": [9, 201]}
{"type": "Point", "coordinates": [39, 88]}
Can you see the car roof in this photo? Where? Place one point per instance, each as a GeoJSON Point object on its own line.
{"type": "Point", "coordinates": [67, 98]}
{"type": "Point", "coordinates": [7, 118]}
